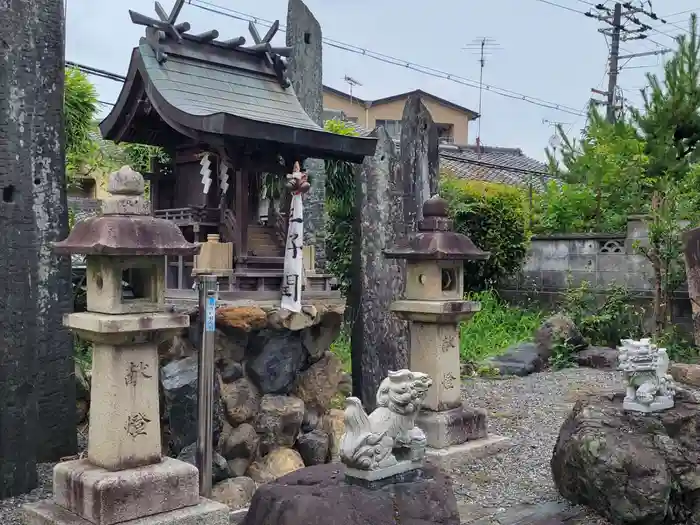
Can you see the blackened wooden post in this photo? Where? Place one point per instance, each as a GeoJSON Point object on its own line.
{"type": "Point", "coordinates": [305, 73]}
{"type": "Point", "coordinates": [36, 352]}
{"type": "Point", "coordinates": [379, 338]}
{"type": "Point", "coordinates": [419, 159]}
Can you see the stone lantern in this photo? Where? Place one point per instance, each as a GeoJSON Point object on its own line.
{"type": "Point", "coordinates": [125, 477]}
{"type": "Point", "coordinates": [433, 304]}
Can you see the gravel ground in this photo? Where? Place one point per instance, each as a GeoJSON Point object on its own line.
{"type": "Point", "coordinates": [530, 411]}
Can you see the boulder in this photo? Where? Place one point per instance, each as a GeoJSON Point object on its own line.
{"type": "Point", "coordinates": [239, 446]}
{"type": "Point", "coordinates": [345, 385]}
{"type": "Point", "coordinates": [276, 464]}
{"type": "Point", "coordinates": [317, 339]}
{"type": "Point", "coordinates": [245, 318]}
{"type": "Point", "coordinates": [600, 357]}
{"type": "Point", "coordinates": [241, 400]}
{"type": "Point", "coordinates": [219, 471]}
{"type": "Point", "coordinates": [519, 360]}
{"type": "Point", "coordinates": [179, 347]}
{"type": "Point", "coordinates": [276, 357]}
{"type": "Point", "coordinates": [686, 373]}
{"type": "Point", "coordinates": [319, 496]}
{"type": "Point", "coordinates": [313, 447]}
{"type": "Point", "coordinates": [179, 387]}
{"type": "Point", "coordinates": [229, 346]}
{"type": "Point", "coordinates": [230, 371]}
{"type": "Point", "coordinates": [312, 419]}
{"type": "Point", "coordinates": [236, 492]}
{"type": "Point", "coordinates": [279, 421]}
{"type": "Point", "coordinates": [555, 330]}
{"type": "Point", "coordinates": [629, 467]}
{"type": "Point", "coordinates": [333, 424]}
{"type": "Point", "coordinates": [317, 385]}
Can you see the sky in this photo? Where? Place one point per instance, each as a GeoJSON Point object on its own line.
{"type": "Point", "coordinates": [548, 52]}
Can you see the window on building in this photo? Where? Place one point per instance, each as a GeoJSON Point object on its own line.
{"type": "Point", "coordinates": [393, 127]}
{"type": "Point", "coordinates": [351, 119]}
{"type": "Point", "coordinates": [445, 132]}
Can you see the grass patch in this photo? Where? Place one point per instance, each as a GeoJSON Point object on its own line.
{"type": "Point", "coordinates": [496, 327]}
{"type": "Point", "coordinates": [341, 348]}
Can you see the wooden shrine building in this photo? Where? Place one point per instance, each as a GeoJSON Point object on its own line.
{"type": "Point", "coordinates": [232, 125]}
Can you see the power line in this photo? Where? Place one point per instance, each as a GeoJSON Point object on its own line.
{"type": "Point", "coordinates": [426, 70]}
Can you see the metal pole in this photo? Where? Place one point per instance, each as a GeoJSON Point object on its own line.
{"type": "Point", "coordinates": [205, 385]}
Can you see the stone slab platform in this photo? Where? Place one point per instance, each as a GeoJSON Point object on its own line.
{"type": "Point", "coordinates": [550, 513]}
{"type": "Point", "coordinates": [205, 513]}
{"type": "Point", "coordinates": [103, 497]}
{"type": "Point", "coordinates": [479, 448]}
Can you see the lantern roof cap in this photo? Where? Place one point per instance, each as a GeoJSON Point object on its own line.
{"type": "Point", "coordinates": [435, 238]}
{"type": "Point", "coordinates": [125, 225]}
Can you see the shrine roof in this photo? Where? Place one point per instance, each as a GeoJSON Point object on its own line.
{"type": "Point", "coordinates": [217, 92]}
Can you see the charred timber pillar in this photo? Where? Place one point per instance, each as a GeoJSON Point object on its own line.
{"type": "Point", "coordinates": [379, 338]}
{"type": "Point", "coordinates": [305, 72]}
{"type": "Point", "coordinates": [36, 352]}
{"type": "Point", "coordinates": [419, 159]}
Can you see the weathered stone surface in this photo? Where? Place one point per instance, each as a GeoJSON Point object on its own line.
{"type": "Point", "coordinates": [379, 338]}
{"type": "Point", "coordinates": [279, 421]}
{"type": "Point", "coordinates": [179, 386]}
{"type": "Point", "coordinates": [317, 339]}
{"type": "Point", "coordinates": [597, 357]}
{"type": "Point", "coordinates": [452, 427]}
{"type": "Point", "coordinates": [319, 496]}
{"type": "Point", "coordinates": [175, 349]}
{"type": "Point", "coordinates": [82, 383]}
{"type": "Point", "coordinates": [333, 424]}
{"type": "Point", "coordinates": [686, 373]}
{"type": "Point", "coordinates": [219, 470]}
{"type": "Point", "coordinates": [241, 400]}
{"type": "Point", "coordinates": [82, 409]}
{"type": "Point", "coordinates": [236, 493]}
{"type": "Point", "coordinates": [244, 318]}
{"type": "Point", "coordinates": [345, 385]}
{"type": "Point", "coordinates": [556, 330]}
{"type": "Point", "coordinates": [239, 446]}
{"type": "Point", "coordinates": [519, 360]}
{"type": "Point", "coordinates": [312, 419]}
{"type": "Point", "coordinates": [276, 464]}
{"type": "Point", "coordinates": [631, 467]}
{"type": "Point", "coordinates": [313, 447]}
{"type": "Point", "coordinates": [230, 346]}
{"type": "Point", "coordinates": [305, 70]}
{"type": "Point", "coordinates": [317, 385]}
{"type": "Point", "coordinates": [230, 371]}
{"type": "Point", "coordinates": [276, 357]}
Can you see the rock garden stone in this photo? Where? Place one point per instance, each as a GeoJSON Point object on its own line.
{"type": "Point", "coordinates": [333, 424]}
{"type": "Point", "coordinates": [519, 360]}
{"type": "Point", "coordinates": [245, 318]}
{"type": "Point", "coordinates": [317, 385]}
{"type": "Point", "coordinates": [345, 385]}
{"type": "Point", "coordinates": [236, 492]}
{"type": "Point", "coordinates": [239, 446]}
{"type": "Point", "coordinates": [230, 371]}
{"type": "Point", "coordinates": [279, 421]}
{"type": "Point", "coordinates": [179, 387]}
{"type": "Point", "coordinates": [555, 330]}
{"type": "Point", "coordinates": [276, 357]}
{"type": "Point", "coordinates": [219, 470]}
{"type": "Point", "coordinates": [317, 339]}
{"type": "Point", "coordinates": [241, 400]}
{"type": "Point", "coordinates": [688, 374]}
{"type": "Point", "coordinates": [597, 357]}
{"type": "Point", "coordinates": [312, 419]}
{"type": "Point", "coordinates": [230, 346]}
{"type": "Point", "coordinates": [313, 447]}
{"type": "Point", "coordinates": [277, 463]}
{"type": "Point", "coordinates": [319, 496]}
{"type": "Point", "coordinates": [631, 467]}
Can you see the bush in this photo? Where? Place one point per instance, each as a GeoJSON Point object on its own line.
{"type": "Point", "coordinates": [494, 217]}
{"type": "Point", "coordinates": [495, 327]}
{"type": "Point", "coordinates": [606, 322]}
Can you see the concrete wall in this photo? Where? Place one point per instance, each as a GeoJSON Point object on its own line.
{"type": "Point", "coordinates": [556, 262]}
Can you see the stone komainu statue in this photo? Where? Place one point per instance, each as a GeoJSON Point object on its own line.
{"type": "Point", "coordinates": [389, 434]}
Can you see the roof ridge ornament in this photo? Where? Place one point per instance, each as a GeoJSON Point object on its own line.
{"type": "Point", "coordinates": [166, 27]}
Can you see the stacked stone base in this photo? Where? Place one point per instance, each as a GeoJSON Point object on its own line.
{"type": "Point", "coordinates": [163, 493]}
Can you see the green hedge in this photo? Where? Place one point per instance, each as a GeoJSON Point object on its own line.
{"type": "Point", "coordinates": [494, 216]}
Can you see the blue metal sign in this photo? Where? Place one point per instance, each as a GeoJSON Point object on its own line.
{"type": "Point", "coordinates": [210, 313]}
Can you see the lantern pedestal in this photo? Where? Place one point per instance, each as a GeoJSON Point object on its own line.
{"type": "Point", "coordinates": [125, 479]}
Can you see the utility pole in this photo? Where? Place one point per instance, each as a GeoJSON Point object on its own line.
{"type": "Point", "coordinates": [624, 25]}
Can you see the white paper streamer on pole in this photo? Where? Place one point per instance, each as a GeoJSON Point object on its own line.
{"type": "Point", "coordinates": [293, 256]}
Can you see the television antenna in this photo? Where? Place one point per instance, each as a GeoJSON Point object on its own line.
{"type": "Point", "coordinates": [352, 82]}
{"type": "Point", "coordinates": [483, 46]}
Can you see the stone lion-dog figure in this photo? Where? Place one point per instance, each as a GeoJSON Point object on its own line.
{"type": "Point", "coordinates": [389, 434]}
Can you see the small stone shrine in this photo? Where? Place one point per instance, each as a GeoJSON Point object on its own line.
{"type": "Point", "coordinates": [434, 306]}
{"type": "Point", "coordinates": [125, 479]}
{"type": "Point", "coordinates": [649, 386]}
{"type": "Point", "coordinates": [387, 443]}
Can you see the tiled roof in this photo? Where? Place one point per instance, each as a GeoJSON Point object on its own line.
{"type": "Point", "coordinates": [492, 164]}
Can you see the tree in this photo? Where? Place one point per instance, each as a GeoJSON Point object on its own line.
{"type": "Point", "coordinates": [79, 108]}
